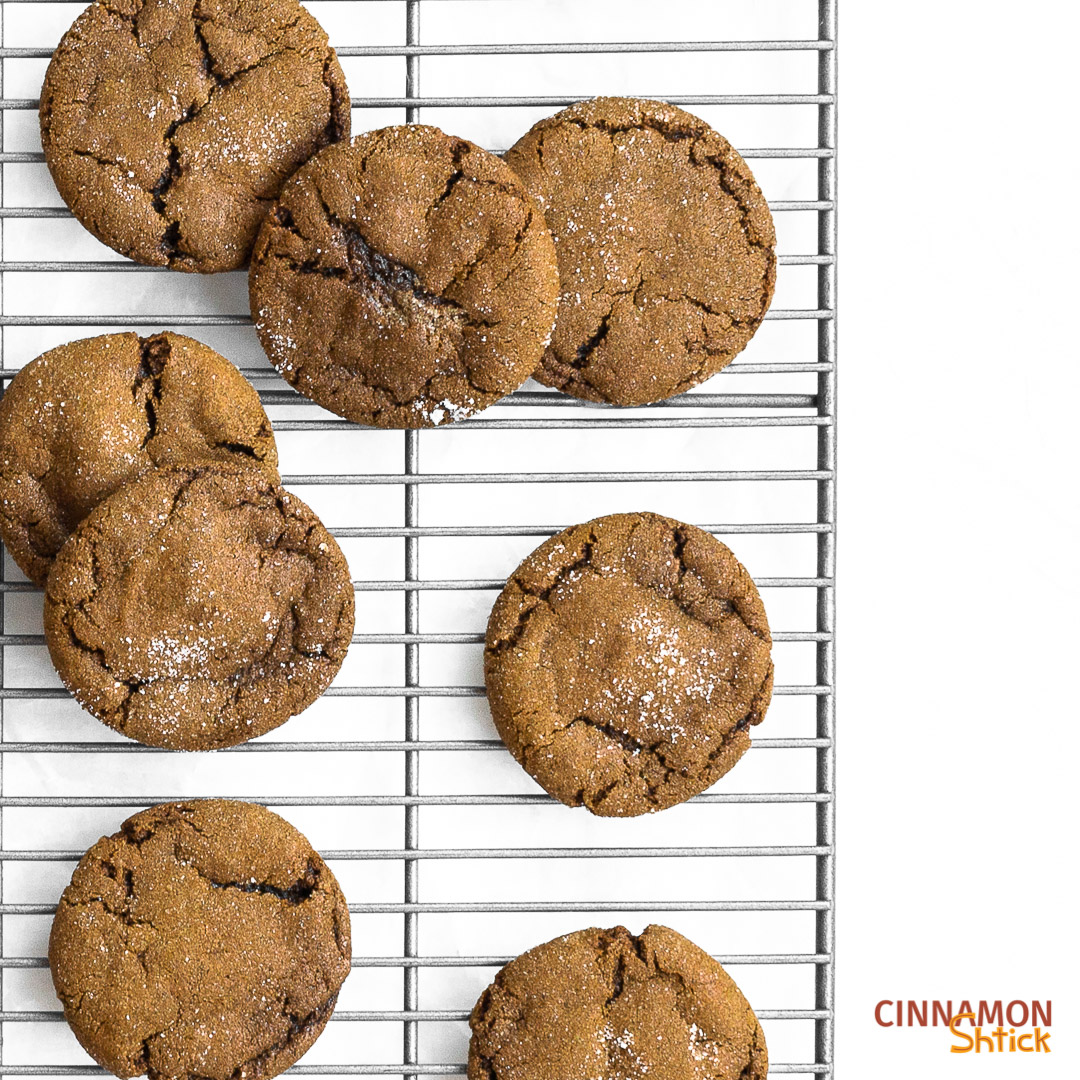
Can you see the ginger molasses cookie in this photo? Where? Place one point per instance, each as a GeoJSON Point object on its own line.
{"type": "Point", "coordinates": [86, 417]}
{"type": "Point", "coordinates": [665, 247]}
{"type": "Point", "coordinates": [626, 660]}
{"type": "Point", "coordinates": [169, 125]}
{"type": "Point", "coordinates": [205, 938]}
{"type": "Point", "coordinates": [605, 1003]}
{"type": "Point", "coordinates": [405, 279]}
{"type": "Point", "coordinates": [198, 607]}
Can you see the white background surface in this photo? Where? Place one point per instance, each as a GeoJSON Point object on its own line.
{"type": "Point", "coordinates": [958, 536]}
{"type": "Point", "coordinates": [958, 525]}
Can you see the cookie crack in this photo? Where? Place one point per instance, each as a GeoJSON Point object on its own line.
{"type": "Point", "coordinates": [710, 1046]}
{"type": "Point", "coordinates": [209, 64]}
{"type": "Point", "coordinates": [239, 448]}
{"type": "Point", "coordinates": [393, 285]}
{"type": "Point", "coordinates": [576, 368]}
{"type": "Point", "coordinates": [180, 815]}
{"type": "Point", "coordinates": [669, 131]}
{"type": "Point", "coordinates": [584, 562]}
{"type": "Point", "coordinates": [458, 152]}
{"type": "Point", "coordinates": [615, 734]}
{"type": "Point", "coordinates": [299, 1027]}
{"type": "Point", "coordinates": [198, 20]}
{"type": "Point", "coordinates": [680, 539]}
{"type": "Point", "coordinates": [340, 106]}
{"type": "Point", "coordinates": [634, 750]}
{"type": "Point", "coordinates": [586, 349]}
{"type": "Point", "coordinates": [709, 309]}
{"type": "Point", "coordinates": [391, 281]}
{"type": "Point", "coordinates": [154, 355]}
{"type": "Point", "coordinates": [724, 175]}
{"type": "Point", "coordinates": [295, 894]}
{"type": "Point", "coordinates": [171, 238]}
{"type": "Point", "coordinates": [105, 161]}
{"type": "Point", "coordinates": [625, 945]}
{"type": "Point", "coordinates": [133, 686]}
{"type": "Point", "coordinates": [461, 278]}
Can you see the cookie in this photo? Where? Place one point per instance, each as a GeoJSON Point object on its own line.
{"type": "Point", "coordinates": [665, 247]}
{"type": "Point", "coordinates": [625, 661]}
{"type": "Point", "coordinates": [404, 280]}
{"type": "Point", "coordinates": [604, 1003]}
{"type": "Point", "coordinates": [85, 418]}
{"type": "Point", "coordinates": [198, 607]}
{"type": "Point", "coordinates": [204, 939]}
{"type": "Point", "coordinates": [170, 125]}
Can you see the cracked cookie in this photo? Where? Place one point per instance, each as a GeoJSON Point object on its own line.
{"type": "Point", "coordinates": [89, 416]}
{"type": "Point", "coordinates": [603, 1003]}
{"type": "Point", "coordinates": [204, 939]}
{"type": "Point", "coordinates": [169, 126]}
{"type": "Point", "coordinates": [198, 607]}
{"type": "Point", "coordinates": [665, 247]}
{"type": "Point", "coordinates": [404, 280]}
{"type": "Point", "coordinates": [625, 662]}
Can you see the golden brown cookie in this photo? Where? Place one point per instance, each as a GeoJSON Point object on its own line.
{"type": "Point", "coordinates": [665, 248]}
{"type": "Point", "coordinates": [87, 417]}
{"type": "Point", "coordinates": [170, 125]}
{"type": "Point", "coordinates": [204, 939]}
{"type": "Point", "coordinates": [199, 607]}
{"type": "Point", "coordinates": [626, 660]}
{"type": "Point", "coordinates": [602, 1003]}
{"type": "Point", "coordinates": [405, 279]}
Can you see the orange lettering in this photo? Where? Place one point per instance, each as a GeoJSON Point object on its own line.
{"type": "Point", "coordinates": [960, 1034]}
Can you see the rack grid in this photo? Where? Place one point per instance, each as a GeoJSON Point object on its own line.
{"type": "Point", "coordinates": [426, 940]}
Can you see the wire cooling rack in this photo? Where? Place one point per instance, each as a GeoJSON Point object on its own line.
{"type": "Point", "coordinates": [453, 860]}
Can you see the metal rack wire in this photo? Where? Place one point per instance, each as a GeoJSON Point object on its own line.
{"type": "Point", "coordinates": [32, 744]}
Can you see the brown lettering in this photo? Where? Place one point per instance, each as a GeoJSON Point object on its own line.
{"type": "Point", "coordinates": [877, 1014]}
{"type": "Point", "coordinates": [942, 1014]}
{"type": "Point", "coordinates": [1023, 1015]}
{"type": "Point", "coordinates": [1038, 1015]}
